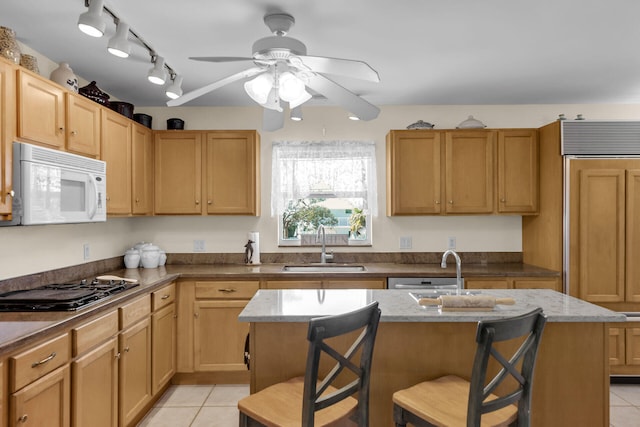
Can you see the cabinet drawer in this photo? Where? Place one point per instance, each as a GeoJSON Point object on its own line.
{"type": "Point", "coordinates": [134, 311]}
{"type": "Point", "coordinates": [38, 361]}
{"type": "Point", "coordinates": [163, 297]}
{"type": "Point", "coordinates": [94, 332]}
{"type": "Point", "coordinates": [227, 290]}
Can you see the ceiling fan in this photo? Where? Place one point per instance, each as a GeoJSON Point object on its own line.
{"type": "Point", "coordinates": [283, 73]}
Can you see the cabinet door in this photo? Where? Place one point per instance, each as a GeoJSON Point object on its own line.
{"type": "Point", "coordinates": [632, 336]}
{"type": "Point", "coordinates": [518, 171]}
{"type": "Point", "coordinates": [354, 284]}
{"type": "Point", "coordinates": [632, 244]}
{"type": "Point", "coordinates": [83, 125]}
{"type": "Point", "coordinates": [41, 112]}
{"type": "Point", "coordinates": [488, 283]}
{"type": "Point", "coordinates": [469, 171]}
{"type": "Point", "coordinates": [531, 283]}
{"type": "Point", "coordinates": [218, 336]}
{"type": "Point", "coordinates": [178, 172]}
{"type": "Point", "coordinates": [7, 136]}
{"type": "Point", "coordinates": [616, 347]}
{"type": "Point", "coordinates": [163, 352]}
{"type": "Point", "coordinates": [293, 284]}
{"type": "Point", "coordinates": [142, 171]}
{"type": "Point", "coordinates": [597, 252]}
{"type": "Point", "coordinates": [232, 172]}
{"type": "Point", "coordinates": [413, 172]}
{"type": "Point", "coordinates": [45, 402]}
{"type": "Point", "coordinates": [95, 387]}
{"type": "Point", "coordinates": [116, 151]}
{"type": "Point", "coordinates": [135, 371]}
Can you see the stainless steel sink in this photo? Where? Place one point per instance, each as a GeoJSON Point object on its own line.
{"type": "Point", "coordinates": [324, 268]}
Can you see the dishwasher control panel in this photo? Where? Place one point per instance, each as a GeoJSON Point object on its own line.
{"type": "Point", "coordinates": [424, 283]}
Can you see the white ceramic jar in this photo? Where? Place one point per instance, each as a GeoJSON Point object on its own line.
{"type": "Point", "coordinates": [163, 258]}
{"type": "Point", "coordinates": [132, 258]}
{"type": "Point", "coordinates": [150, 256]}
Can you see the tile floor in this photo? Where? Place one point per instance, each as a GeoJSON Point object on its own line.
{"type": "Point", "coordinates": [215, 406]}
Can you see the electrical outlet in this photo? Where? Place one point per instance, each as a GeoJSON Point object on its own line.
{"type": "Point", "coordinates": [406, 242]}
{"type": "Point", "coordinates": [451, 243]}
{"type": "Point", "coordinates": [198, 245]}
{"type": "Point", "coordinates": [86, 251]}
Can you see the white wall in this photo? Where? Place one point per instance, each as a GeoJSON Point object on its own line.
{"type": "Point", "coordinates": [25, 250]}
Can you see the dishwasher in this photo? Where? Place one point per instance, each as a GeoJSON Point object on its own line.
{"type": "Point", "coordinates": [428, 287]}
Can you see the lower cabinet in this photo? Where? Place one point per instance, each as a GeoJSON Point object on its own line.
{"type": "Point", "coordinates": [624, 348]}
{"type": "Point", "coordinates": [211, 344]}
{"type": "Point", "coordinates": [135, 360]}
{"type": "Point", "coordinates": [163, 337]}
{"type": "Point", "coordinates": [552, 283]}
{"type": "Point", "coordinates": [379, 283]}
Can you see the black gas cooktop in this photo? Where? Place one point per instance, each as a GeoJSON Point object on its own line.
{"type": "Point", "coordinates": [62, 297]}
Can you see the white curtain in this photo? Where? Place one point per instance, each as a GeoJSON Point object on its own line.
{"type": "Point", "coordinates": [345, 169]}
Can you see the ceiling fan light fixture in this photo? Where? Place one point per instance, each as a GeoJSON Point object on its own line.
{"type": "Point", "coordinates": [290, 86]}
{"type": "Point", "coordinates": [304, 97]}
{"type": "Point", "coordinates": [296, 114]}
{"type": "Point", "coordinates": [273, 101]}
{"type": "Point", "coordinates": [353, 117]}
{"type": "Point", "coordinates": [91, 22]}
{"type": "Point", "coordinates": [174, 90]}
{"type": "Point", "coordinates": [157, 75]}
{"type": "Point", "coordinates": [260, 88]}
{"type": "Point", "coordinates": [119, 44]}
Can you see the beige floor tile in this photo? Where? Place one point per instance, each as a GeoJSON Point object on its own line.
{"type": "Point", "coordinates": [227, 395]}
{"type": "Point", "coordinates": [628, 392]}
{"type": "Point", "coordinates": [169, 417]}
{"type": "Point", "coordinates": [615, 400]}
{"type": "Point", "coordinates": [217, 416]}
{"type": "Point", "coordinates": [624, 416]}
{"type": "Point", "coordinates": [185, 395]}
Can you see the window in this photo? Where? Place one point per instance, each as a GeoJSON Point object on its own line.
{"type": "Point", "coordinates": [328, 183]}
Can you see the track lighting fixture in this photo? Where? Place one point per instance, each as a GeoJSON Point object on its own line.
{"type": "Point", "coordinates": [157, 74]}
{"type": "Point", "coordinates": [174, 90]}
{"type": "Point", "coordinates": [91, 22]}
{"type": "Point", "coordinates": [119, 44]}
{"type": "Point", "coordinates": [296, 114]}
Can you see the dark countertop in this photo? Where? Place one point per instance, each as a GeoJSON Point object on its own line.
{"type": "Point", "coordinates": [23, 328]}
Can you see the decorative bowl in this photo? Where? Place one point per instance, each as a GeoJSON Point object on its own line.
{"type": "Point", "coordinates": [421, 124]}
{"type": "Point", "coordinates": [92, 92]}
{"type": "Point", "coordinates": [471, 123]}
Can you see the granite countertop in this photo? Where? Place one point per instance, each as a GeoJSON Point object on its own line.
{"type": "Point", "coordinates": [300, 305]}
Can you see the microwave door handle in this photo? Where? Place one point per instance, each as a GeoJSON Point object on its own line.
{"type": "Point", "coordinates": [94, 208]}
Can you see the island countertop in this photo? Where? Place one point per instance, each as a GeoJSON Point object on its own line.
{"type": "Point", "coordinates": [300, 305]}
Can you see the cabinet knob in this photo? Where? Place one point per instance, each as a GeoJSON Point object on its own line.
{"type": "Point", "coordinates": [117, 356]}
{"type": "Point", "coordinates": [209, 202]}
{"type": "Point", "coordinates": [137, 200]}
{"type": "Point", "coordinates": [61, 129]}
{"type": "Point", "coordinates": [502, 200]}
{"type": "Point", "coordinates": [165, 296]}
{"type": "Point", "coordinates": [437, 202]}
{"type": "Point", "coordinates": [11, 193]}
{"type": "Point", "coordinates": [126, 349]}
{"type": "Point", "coordinates": [43, 361]}
{"type": "Point", "coordinates": [450, 202]}
{"type": "Point", "coordinates": [23, 419]}
{"type": "Point", "coordinates": [74, 132]}
{"type": "Point", "coordinates": [197, 202]}
{"type": "Point", "coordinates": [227, 290]}
{"type": "Point", "coordinates": [196, 315]}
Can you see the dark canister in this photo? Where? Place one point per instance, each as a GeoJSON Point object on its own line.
{"type": "Point", "coordinates": [143, 119]}
{"type": "Point", "coordinates": [175, 123]}
{"type": "Point", "coordinates": [124, 108]}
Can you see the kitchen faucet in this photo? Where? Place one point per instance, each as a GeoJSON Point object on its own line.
{"type": "Point", "coordinates": [324, 256]}
{"type": "Point", "coordinates": [443, 264]}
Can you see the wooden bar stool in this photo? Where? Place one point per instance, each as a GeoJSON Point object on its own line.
{"type": "Point", "coordinates": [308, 401]}
{"type": "Point", "coordinates": [452, 401]}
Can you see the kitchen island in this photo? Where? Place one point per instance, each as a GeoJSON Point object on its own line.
{"type": "Point", "coordinates": [415, 343]}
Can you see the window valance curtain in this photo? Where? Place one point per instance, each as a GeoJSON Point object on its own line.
{"type": "Point", "coordinates": [322, 169]}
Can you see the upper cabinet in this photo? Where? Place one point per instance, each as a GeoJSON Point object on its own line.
{"type": "Point", "coordinates": [7, 135]}
{"type": "Point", "coordinates": [518, 169]}
{"type": "Point", "coordinates": [116, 151]}
{"type": "Point", "coordinates": [52, 116]}
{"type": "Point", "coordinates": [459, 172]}
{"type": "Point", "coordinates": [142, 170]}
{"type": "Point", "coordinates": [207, 172]}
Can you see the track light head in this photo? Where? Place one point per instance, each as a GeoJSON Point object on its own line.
{"type": "Point", "coordinates": [157, 74]}
{"type": "Point", "coordinates": [119, 44]}
{"type": "Point", "coordinates": [91, 22]}
{"type": "Point", "coordinates": [174, 90]}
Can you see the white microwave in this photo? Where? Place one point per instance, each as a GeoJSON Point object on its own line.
{"type": "Point", "coordinates": [56, 187]}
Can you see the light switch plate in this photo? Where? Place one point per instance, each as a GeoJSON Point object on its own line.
{"type": "Point", "coordinates": [198, 245]}
{"type": "Point", "coordinates": [406, 242]}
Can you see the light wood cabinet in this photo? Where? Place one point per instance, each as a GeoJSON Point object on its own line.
{"type": "Point", "coordinates": [605, 232]}
{"type": "Point", "coordinates": [41, 111]}
{"type": "Point", "coordinates": [518, 171]}
{"type": "Point", "coordinates": [552, 283]}
{"type": "Point", "coordinates": [163, 337]}
{"type": "Point", "coordinates": [52, 116]}
{"type": "Point", "coordinates": [380, 283]}
{"type": "Point", "coordinates": [432, 172]}
{"type": "Point", "coordinates": [413, 172]}
{"type": "Point", "coordinates": [94, 372]}
{"type": "Point", "coordinates": [624, 348]}
{"type": "Point", "coordinates": [116, 151]}
{"type": "Point", "coordinates": [207, 172]}
{"type": "Point", "coordinates": [134, 345]}
{"type": "Point", "coordinates": [7, 136]}
{"type": "Point", "coordinates": [45, 402]}
{"type": "Point", "coordinates": [83, 120]}
{"type": "Point", "coordinates": [142, 170]}
{"type": "Point", "coordinates": [469, 171]}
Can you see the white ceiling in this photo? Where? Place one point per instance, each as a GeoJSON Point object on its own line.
{"type": "Point", "coordinates": [425, 51]}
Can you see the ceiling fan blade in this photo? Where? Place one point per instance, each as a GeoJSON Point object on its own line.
{"type": "Point", "coordinates": [220, 58]}
{"type": "Point", "coordinates": [341, 96]}
{"type": "Point", "coordinates": [342, 67]}
{"type": "Point", "coordinates": [272, 120]}
{"type": "Point", "coordinates": [215, 85]}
